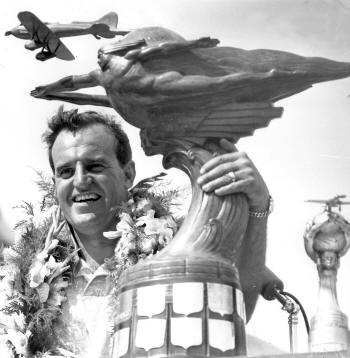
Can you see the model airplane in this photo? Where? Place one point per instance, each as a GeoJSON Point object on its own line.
{"type": "Point", "coordinates": [331, 203]}
{"type": "Point", "coordinates": [47, 35]}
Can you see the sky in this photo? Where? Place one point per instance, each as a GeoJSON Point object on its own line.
{"type": "Point", "coordinates": [303, 155]}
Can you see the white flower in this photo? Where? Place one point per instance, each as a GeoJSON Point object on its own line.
{"type": "Point", "coordinates": [40, 269]}
{"type": "Point", "coordinates": [41, 217]}
{"type": "Point", "coordinates": [112, 235]}
{"type": "Point", "coordinates": [125, 223]}
{"type": "Point", "coordinates": [123, 227]}
{"type": "Point", "coordinates": [9, 282]}
{"type": "Point", "coordinates": [164, 226]}
{"type": "Point", "coordinates": [5, 350]}
{"type": "Point", "coordinates": [43, 291]}
{"type": "Point", "coordinates": [15, 329]}
{"type": "Point", "coordinates": [148, 245]}
{"type": "Point", "coordinates": [144, 205]}
{"type": "Point", "coordinates": [19, 340]}
{"type": "Point", "coordinates": [14, 321]}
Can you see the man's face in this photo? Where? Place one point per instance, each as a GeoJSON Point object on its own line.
{"type": "Point", "coordinates": [90, 181]}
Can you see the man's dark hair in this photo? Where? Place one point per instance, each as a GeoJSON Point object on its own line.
{"type": "Point", "coordinates": [74, 121]}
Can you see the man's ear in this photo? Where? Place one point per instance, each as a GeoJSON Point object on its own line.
{"type": "Point", "coordinates": [129, 172]}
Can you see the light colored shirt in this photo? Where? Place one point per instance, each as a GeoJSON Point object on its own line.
{"type": "Point", "coordinates": [88, 312]}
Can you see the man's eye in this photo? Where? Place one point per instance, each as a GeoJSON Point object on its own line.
{"type": "Point", "coordinates": [65, 173]}
{"type": "Point", "coordinates": [95, 168]}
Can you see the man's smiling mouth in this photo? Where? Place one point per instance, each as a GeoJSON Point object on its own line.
{"type": "Point", "coordinates": [83, 198]}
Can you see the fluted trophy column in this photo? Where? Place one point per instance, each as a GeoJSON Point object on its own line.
{"type": "Point", "coordinates": [326, 240]}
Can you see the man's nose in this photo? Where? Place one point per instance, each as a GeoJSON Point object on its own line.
{"type": "Point", "coordinates": [82, 179]}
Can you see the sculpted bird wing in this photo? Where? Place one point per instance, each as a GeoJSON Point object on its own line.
{"type": "Point", "coordinates": [230, 120]}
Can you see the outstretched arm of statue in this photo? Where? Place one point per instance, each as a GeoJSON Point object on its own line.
{"type": "Point", "coordinates": [80, 98]}
{"type": "Point", "coordinates": [234, 172]}
{"type": "Point", "coordinates": [69, 83]}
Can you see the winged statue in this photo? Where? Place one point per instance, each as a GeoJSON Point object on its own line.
{"type": "Point", "coordinates": [170, 87]}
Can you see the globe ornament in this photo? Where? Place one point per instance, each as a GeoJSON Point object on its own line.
{"type": "Point", "coordinates": [326, 239]}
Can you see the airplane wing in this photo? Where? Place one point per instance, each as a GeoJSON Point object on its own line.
{"type": "Point", "coordinates": [56, 46]}
{"type": "Point", "coordinates": [316, 201]}
{"type": "Point", "coordinates": [41, 34]}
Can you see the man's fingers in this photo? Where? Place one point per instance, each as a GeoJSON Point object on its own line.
{"type": "Point", "coordinates": [216, 161]}
{"type": "Point", "coordinates": [232, 188]}
{"type": "Point", "coordinates": [217, 172]}
{"type": "Point", "coordinates": [221, 181]}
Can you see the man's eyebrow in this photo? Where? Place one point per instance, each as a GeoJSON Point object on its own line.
{"type": "Point", "coordinates": [96, 159]}
{"type": "Point", "coordinates": [62, 166]}
{"type": "Point", "coordinates": [99, 159]}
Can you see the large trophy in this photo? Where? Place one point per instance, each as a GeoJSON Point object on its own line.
{"type": "Point", "coordinates": [185, 96]}
{"type": "Point", "coordinates": [327, 238]}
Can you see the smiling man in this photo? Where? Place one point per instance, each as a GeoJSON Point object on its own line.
{"type": "Point", "coordinates": [90, 180]}
{"type": "Point", "coordinates": [93, 169]}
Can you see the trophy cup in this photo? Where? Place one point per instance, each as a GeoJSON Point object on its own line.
{"type": "Point", "coordinates": [185, 96]}
{"type": "Point", "coordinates": [327, 238]}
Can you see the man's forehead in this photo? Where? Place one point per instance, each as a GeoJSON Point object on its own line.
{"type": "Point", "coordinates": [92, 139]}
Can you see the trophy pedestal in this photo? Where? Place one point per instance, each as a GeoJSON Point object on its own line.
{"type": "Point", "coordinates": [180, 307]}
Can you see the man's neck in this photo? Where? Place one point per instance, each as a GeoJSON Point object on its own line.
{"type": "Point", "coordinates": [97, 246]}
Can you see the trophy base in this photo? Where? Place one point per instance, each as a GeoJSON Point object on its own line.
{"type": "Point", "coordinates": [194, 309]}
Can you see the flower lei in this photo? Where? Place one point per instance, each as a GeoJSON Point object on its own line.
{"type": "Point", "coordinates": [38, 268]}
{"type": "Point", "coordinates": [35, 274]}
{"type": "Point", "coordinates": [145, 224]}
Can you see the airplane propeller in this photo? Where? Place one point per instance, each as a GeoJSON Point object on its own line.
{"type": "Point", "coordinates": [330, 203]}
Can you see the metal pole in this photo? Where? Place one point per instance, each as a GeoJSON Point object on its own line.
{"type": "Point", "coordinates": [293, 336]}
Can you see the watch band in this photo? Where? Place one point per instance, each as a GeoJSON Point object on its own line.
{"type": "Point", "coordinates": [262, 214]}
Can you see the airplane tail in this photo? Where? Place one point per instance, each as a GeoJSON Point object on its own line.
{"type": "Point", "coordinates": [106, 26]}
{"type": "Point", "coordinates": [110, 19]}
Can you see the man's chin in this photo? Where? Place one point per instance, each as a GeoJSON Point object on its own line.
{"type": "Point", "coordinates": [83, 222]}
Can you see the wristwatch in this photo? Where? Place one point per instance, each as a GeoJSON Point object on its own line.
{"type": "Point", "coordinates": [262, 214]}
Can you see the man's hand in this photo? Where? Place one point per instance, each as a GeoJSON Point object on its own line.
{"type": "Point", "coordinates": [216, 175]}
